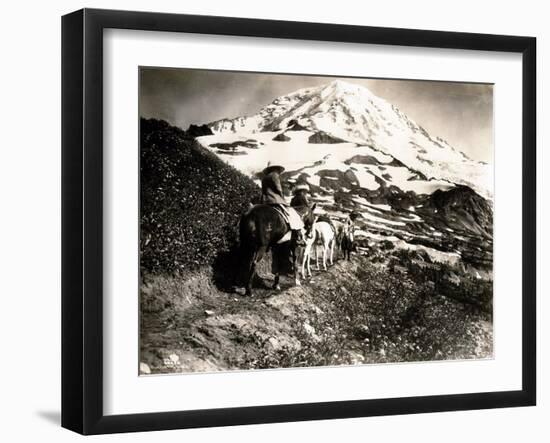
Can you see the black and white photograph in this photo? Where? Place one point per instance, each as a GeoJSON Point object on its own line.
{"type": "Point", "coordinates": [300, 221]}
{"type": "Point", "coordinates": [275, 222]}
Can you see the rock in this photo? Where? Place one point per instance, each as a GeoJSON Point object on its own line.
{"type": "Point", "coordinates": [363, 160]}
{"type": "Point", "coordinates": [309, 329]}
{"type": "Point", "coordinates": [356, 358]}
{"type": "Point", "coordinates": [208, 312]}
{"type": "Point", "coordinates": [293, 125]}
{"type": "Point", "coordinates": [281, 137]}
{"type": "Point", "coordinates": [316, 308]}
{"type": "Point", "coordinates": [198, 131]}
{"type": "Point", "coordinates": [174, 358]}
{"type": "Point", "coordinates": [144, 368]}
{"type": "Point", "coordinates": [324, 138]}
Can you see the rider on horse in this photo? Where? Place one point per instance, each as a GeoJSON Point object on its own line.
{"type": "Point", "coordinates": [300, 195]}
{"type": "Point", "coordinates": [272, 194]}
{"type": "Point", "coordinates": [354, 215]}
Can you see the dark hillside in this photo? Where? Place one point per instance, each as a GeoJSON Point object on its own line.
{"type": "Point", "coordinates": [464, 206]}
{"type": "Point", "coordinates": [191, 201]}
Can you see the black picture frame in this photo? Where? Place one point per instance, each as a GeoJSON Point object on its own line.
{"type": "Point", "coordinates": [82, 218]}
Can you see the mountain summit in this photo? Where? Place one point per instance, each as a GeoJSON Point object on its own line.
{"type": "Point", "coordinates": [352, 113]}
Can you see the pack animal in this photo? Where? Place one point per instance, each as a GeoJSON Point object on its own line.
{"type": "Point", "coordinates": [307, 252]}
{"type": "Point", "coordinates": [326, 236]}
{"type": "Point", "coordinates": [348, 241]}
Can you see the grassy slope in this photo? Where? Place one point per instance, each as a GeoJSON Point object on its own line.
{"type": "Point", "coordinates": [191, 202]}
{"type": "Point", "coordinates": [357, 312]}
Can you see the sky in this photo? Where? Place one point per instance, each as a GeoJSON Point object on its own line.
{"type": "Point", "coordinates": [461, 113]}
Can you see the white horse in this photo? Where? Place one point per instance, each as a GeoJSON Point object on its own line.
{"type": "Point", "coordinates": [306, 259]}
{"type": "Point", "coordinates": [326, 235]}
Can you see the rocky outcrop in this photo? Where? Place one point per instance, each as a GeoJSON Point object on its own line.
{"type": "Point", "coordinates": [463, 206]}
{"type": "Point", "coordinates": [293, 125]}
{"type": "Point", "coordinates": [362, 160]}
{"type": "Point", "coordinates": [281, 137]}
{"type": "Point", "coordinates": [198, 131]}
{"type": "Point", "coordinates": [323, 137]}
{"type": "Point", "coordinates": [336, 179]}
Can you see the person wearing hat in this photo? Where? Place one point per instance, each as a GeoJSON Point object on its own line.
{"type": "Point", "coordinates": [272, 194]}
{"type": "Point", "coordinates": [348, 233]}
{"type": "Point", "coordinates": [300, 195]}
{"type": "Point", "coordinates": [350, 219]}
{"type": "Point", "coordinates": [349, 222]}
{"type": "Point", "coordinates": [272, 190]}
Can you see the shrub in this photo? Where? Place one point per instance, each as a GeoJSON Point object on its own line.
{"type": "Point", "coordinates": [190, 201]}
{"type": "Point", "coordinates": [386, 245]}
{"type": "Point", "coordinates": [398, 317]}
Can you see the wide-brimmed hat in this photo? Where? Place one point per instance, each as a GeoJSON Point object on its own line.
{"type": "Point", "coordinates": [301, 187]}
{"type": "Point", "coordinates": [271, 168]}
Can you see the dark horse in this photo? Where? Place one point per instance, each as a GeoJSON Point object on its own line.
{"type": "Point", "coordinates": [348, 242]}
{"type": "Point", "coordinates": [261, 228]}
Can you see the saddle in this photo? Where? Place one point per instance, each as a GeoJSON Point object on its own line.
{"type": "Point", "coordinates": [327, 219]}
{"type": "Point", "coordinates": [280, 210]}
{"type": "Point", "coordinates": [292, 219]}
{"type": "Point", "coordinates": [282, 213]}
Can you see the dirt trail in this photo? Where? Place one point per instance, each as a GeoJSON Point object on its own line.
{"type": "Point", "coordinates": [356, 312]}
{"type": "Point", "coordinates": [213, 330]}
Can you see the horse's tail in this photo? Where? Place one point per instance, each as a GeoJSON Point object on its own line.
{"type": "Point", "coordinates": [246, 251]}
{"type": "Point", "coordinates": [248, 236]}
{"type": "Point", "coordinates": [247, 230]}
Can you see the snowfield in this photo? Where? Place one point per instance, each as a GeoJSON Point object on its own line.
{"type": "Point", "coordinates": [359, 152]}
{"type": "Point", "coordinates": [354, 114]}
{"type": "Point", "coordinates": [299, 155]}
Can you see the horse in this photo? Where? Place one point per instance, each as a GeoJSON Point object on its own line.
{"type": "Point", "coordinates": [306, 252]}
{"type": "Point", "coordinates": [348, 238]}
{"type": "Point", "coordinates": [327, 236]}
{"type": "Point", "coordinates": [263, 228]}
{"type": "Point", "coordinates": [339, 231]}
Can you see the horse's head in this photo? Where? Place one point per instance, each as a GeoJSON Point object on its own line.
{"type": "Point", "coordinates": [308, 218]}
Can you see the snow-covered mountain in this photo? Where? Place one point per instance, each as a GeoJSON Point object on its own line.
{"type": "Point", "coordinates": [359, 152]}
{"type": "Point", "coordinates": [352, 113]}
